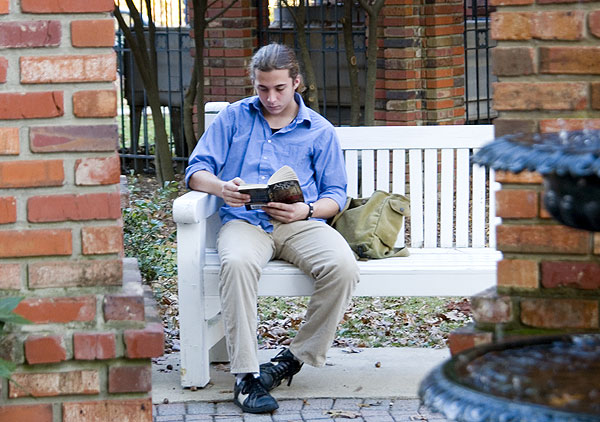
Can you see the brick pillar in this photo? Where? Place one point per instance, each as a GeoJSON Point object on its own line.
{"type": "Point", "coordinates": [230, 43]}
{"type": "Point", "coordinates": [421, 80]}
{"type": "Point", "coordinates": [547, 61]}
{"type": "Point", "coordinates": [89, 345]}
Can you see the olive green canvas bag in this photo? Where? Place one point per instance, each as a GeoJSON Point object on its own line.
{"type": "Point", "coordinates": [371, 225]}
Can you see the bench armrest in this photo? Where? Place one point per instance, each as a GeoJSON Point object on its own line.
{"type": "Point", "coordinates": [194, 207]}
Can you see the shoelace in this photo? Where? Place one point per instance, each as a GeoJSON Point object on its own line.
{"type": "Point", "coordinates": [282, 367]}
{"type": "Point", "coordinates": [254, 386]}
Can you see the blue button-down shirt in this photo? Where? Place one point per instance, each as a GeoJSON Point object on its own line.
{"type": "Point", "coordinates": [240, 143]}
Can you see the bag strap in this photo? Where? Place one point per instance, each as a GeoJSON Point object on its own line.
{"type": "Point", "coordinates": [399, 252]}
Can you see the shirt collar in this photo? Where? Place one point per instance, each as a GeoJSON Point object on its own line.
{"type": "Point", "coordinates": [303, 113]}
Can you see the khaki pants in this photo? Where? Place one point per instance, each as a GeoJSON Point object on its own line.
{"type": "Point", "coordinates": [315, 248]}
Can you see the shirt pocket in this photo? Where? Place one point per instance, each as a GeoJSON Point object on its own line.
{"type": "Point", "coordinates": [298, 157]}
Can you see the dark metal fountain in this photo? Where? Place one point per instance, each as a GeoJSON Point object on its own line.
{"type": "Point", "coordinates": [547, 379]}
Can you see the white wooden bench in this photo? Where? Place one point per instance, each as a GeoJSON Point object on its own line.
{"type": "Point", "coordinates": [452, 231]}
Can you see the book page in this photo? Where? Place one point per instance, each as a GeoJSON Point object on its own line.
{"type": "Point", "coordinates": [283, 174]}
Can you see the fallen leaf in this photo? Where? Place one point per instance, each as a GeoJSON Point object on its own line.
{"type": "Point", "coordinates": [342, 414]}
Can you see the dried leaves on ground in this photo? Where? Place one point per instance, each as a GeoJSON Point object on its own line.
{"type": "Point", "coordinates": [368, 322]}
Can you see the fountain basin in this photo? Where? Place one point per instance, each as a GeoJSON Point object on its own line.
{"type": "Point", "coordinates": [538, 379]}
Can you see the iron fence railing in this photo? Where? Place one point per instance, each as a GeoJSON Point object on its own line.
{"type": "Point", "coordinates": [326, 46]}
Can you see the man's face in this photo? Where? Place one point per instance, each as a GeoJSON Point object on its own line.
{"type": "Point", "coordinates": [275, 90]}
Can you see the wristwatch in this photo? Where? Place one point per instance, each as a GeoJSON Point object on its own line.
{"type": "Point", "coordinates": [311, 209]}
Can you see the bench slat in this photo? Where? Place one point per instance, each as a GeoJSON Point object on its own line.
{"type": "Point", "coordinates": [351, 158]}
{"type": "Point", "coordinates": [478, 212]}
{"type": "Point", "coordinates": [416, 198]}
{"type": "Point", "coordinates": [383, 170]}
{"type": "Point", "coordinates": [447, 199]}
{"type": "Point", "coordinates": [431, 199]}
{"type": "Point", "coordinates": [367, 173]}
{"type": "Point", "coordinates": [462, 198]}
{"type": "Point", "coordinates": [426, 272]}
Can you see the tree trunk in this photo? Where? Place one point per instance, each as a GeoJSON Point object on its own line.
{"type": "Point", "coordinates": [188, 112]}
{"type": "Point", "coordinates": [352, 64]}
{"type": "Point", "coordinates": [299, 15]}
{"type": "Point", "coordinates": [145, 60]}
{"type": "Point", "coordinates": [373, 12]}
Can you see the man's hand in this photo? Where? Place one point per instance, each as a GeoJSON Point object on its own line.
{"type": "Point", "coordinates": [230, 194]}
{"type": "Point", "coordinates": [287, 213]}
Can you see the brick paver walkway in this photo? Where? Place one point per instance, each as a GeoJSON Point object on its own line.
{"type": "Point", "coordinates": [298, 410]}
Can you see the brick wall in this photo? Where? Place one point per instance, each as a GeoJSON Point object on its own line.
{"type": "Point", "coordinates": [547, 61]}
{"type": "Point", "coordinates": [86, 354]}
{"type": "Point", "coordinates": [420, 67]}
{"type": "Point", "coordinates": [421, 71]}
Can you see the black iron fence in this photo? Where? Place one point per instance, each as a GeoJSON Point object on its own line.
{"type": "Point", "coordinates": [325, 43]}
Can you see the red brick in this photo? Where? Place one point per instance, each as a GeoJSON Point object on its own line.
{"type": "Point", "coordinates": [52, 384]}
{"type": "Point", "coordinates": [518, 273]}
{"type": "Point", "coordinates": [92, 346]}
{"type": "Point", "coordinates": [489, 308]}
{"type": "Point", "coordinates": [83, 273]}
{"type": "Point", "coordinates": [511, 25]}
{"type": "Point", "coordinates": [93, 33]}
{"type": "Point", "coordinates": [8, 209]}
{"type": "Point", "coordinates": [74, 138]}
{"type": "Point", "coordinates": [594, 23]}
{"type": "Point", "coordinates": [540, 96]}
{"type": "Point", "coordinates": [123, 308]}
{"type": "Point", "coordinates": [93, 206]}
{"type": "Point", "coordinates": [66, 6]}
{"type": "Point", "coordinates": [58, 309]}
{"type": "Point", "coordinates": [556, 125]}
{"type": "Point", "coordinates": [96, 103]}
{"type": "Point", "coordinates": [31, 105]}
{"type": "Point", "coordinates": [525, 177]}
{"type": "Point", "coordinates": [464, 338]}
{"type": "Point", "coordinates": [3, 69]}
{"type": "Point", "coordinates": [595, 98]}
{"type": "Point", "coordinates": [139, 410]}
{"type": "Point", "coordinates": [559, 25]}
{"type": "Point", "coordinates": [579, 275]}
{"type": "Point", "coordinates": [510, 2]}
{"type": "Point", "coordinates": [30, 174]}
{"type": "Point", "coordinates": [570, 60]}
{"type": "Point", "coordinates": [102, 240]}
{"type": "Point", "coordinates": [98, 171]}
{"type": "Point", "coordinates": [542, 239]}
{"type": "Point", "coordinates": [26, 413]}
{"type": "Point", "coordinates": [508, 126]}
{"type": "Point", "coordinates": [596, 243]}
{"type": "Point", "coordinates": [560, 313]}
{"type": "Point", "coordinates": [129, 379]}
{"type": "Point", "coordinates": [45, 349]}
{"type": "Point", "coordinates": [30, 34]}
{"type": "Point", "coordinates": [517, 203]}
{"type": "Point", "coordinates": [64, 69]}
{"type": "Point", "coordinates": [4, 7]}
{"type": "Point", "coordinates": [9, 141]}
{"type": "Point", "coordinates": [21, 243]}
{"type": "Point", "coordinates": [10, 276]}
{"type": "Point", "coordinates": [513, 61]}
{"type": "Point", "coordinates": [146, 343]}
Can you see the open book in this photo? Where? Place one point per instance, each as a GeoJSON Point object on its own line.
{"type": "Point", "coordinates": [282, 186]}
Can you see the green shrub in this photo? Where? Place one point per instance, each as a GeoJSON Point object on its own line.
{"type": "Point", "coordinates": [7, 306]}
{"type": "Point", "coordinates": [147, 236]}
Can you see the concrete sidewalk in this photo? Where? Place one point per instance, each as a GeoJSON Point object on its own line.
{"type": "Point", "coordinates": [373, 385]}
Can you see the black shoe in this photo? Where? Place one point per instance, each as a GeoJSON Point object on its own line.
{"type": "Point", "coordinates": [250, 395]}
{"type": "Point", "coordinates": [284, 366]}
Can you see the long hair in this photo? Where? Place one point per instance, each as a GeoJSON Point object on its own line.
{"type": "Point", "coordinates": [274, 57]}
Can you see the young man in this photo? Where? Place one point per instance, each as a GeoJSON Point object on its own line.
{"type": "Point", "coordinates": [247, 143]}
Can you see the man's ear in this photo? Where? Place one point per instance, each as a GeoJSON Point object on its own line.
{"type": "Point", "coordinates": [296, 83]}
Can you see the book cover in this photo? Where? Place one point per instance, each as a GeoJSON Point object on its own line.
{"type": "Point", "coordinates": [282, 186]}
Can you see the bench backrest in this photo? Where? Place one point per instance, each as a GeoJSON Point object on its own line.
{"type": "Point", "coordinates": [452, 201]}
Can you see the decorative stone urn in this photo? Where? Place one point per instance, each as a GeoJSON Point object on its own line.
{"type": "Point", "coordinates": [569, 163]}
